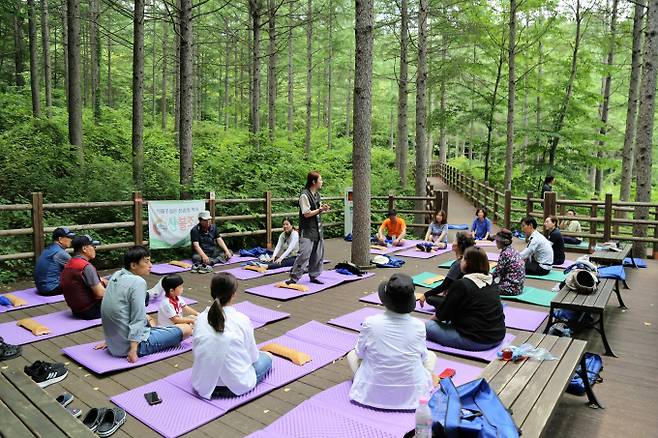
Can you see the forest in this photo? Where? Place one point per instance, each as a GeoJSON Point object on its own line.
{"type": "Point", "coordinates": [175, 98]}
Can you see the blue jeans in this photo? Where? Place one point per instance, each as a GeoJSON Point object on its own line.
{"type": "Point", "coordinates": [160, 339]}
{"type": "Point", "coordinates": [448, 336]}
{"type": "Point", "coordinates": [262, 366]}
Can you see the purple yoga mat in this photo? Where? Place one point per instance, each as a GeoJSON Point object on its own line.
{"type": "Point", "coordinates": [345, 418]}
{"type": "Point", "coordinates": [245, 274]}
{"type": "Point", "coordinates": [33, 299]}
{"type": "Point", "coordinates": [101, 362]}
{"type": "Point", "coordinates": [515, 317]}
{"type": "Point", "coordinates": [330, 278]}
{"type": "Point", "coordinates": [182, 411]}
{"type": "Point", "coordinates": [166, 268]}
{"type": "Point", "coordinates": [354, 319]}
{"type": "Point", "coordinates": [391, 249]}
{"type": "Point", "coordinates": [418, 254]}
{"type": "Point", "coordinates": [60, 323]}
{"type": "Point", "coordinates": [493, 257]}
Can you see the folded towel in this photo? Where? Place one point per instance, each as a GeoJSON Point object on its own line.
{"type": "Point", "coordinates": [35, 327]}
{"type": "Point", "coordinates": [299, 287]}
{"type": "Point", "coordinates": [297, 357]}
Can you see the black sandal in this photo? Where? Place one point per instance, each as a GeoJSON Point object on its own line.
{"type": "Point", "coordinates": [94, 418]}
{"type": "Point", "coordinates": [9, 351]}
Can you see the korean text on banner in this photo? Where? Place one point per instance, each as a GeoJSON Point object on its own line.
{"type": "Point", "coordinates": [170, 222]}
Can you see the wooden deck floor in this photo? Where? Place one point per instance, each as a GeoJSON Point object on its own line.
{"type": "Point", "coordinates": [630, 390]}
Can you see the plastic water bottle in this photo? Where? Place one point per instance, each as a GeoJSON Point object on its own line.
{"type": "Point", "coordinates": [423, 420]}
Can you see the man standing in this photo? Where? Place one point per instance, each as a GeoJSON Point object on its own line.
{"type": "Point", "coordinates": [538, 255]}
{"type": "Point", "coordinates": [51, 262]}
{"type": "Point", "coordinates": [82, 287]}
{"type": "Point", "coordinates": [311, 244]}
{"type": "Point", "coordinates": [205, 242]}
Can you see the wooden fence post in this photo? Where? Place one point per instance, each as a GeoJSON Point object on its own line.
{"type": "Point", "coordinates": [529, 206]}
{"type": "Point", "coordinates": [549, 204]}
{"type": "Point", "coordinates": [607, 218]}
{"type": "Point", "coordinates": [592, 225]}
{"type": "Point", "coordinates": [212, 205]}
{"type": "Point", "coordinates": [37, 224]}
{"type": "Point", "coordinates": [438, 201]}
{"type": "Point", "coordinates": [391, 202]}
{"type": "Point", "coordinates": [508, 209]}
{"type": "Point", "coordinates": [485, 194]}
{"type": "Point", "coordinates": [655, 235]}
{"type": "Point", "coordinates": [444, 201]}
{"type": "Point", "coordinates": [138, 229]}
{"type": "Point", "coordinates": [268, 219]}
{"type": "Point", "coordinates": [495, 206]}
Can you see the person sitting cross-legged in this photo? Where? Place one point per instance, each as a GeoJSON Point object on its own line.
{"type": "Point", "coordinates": [393, 229]}
{"type": "Point", "coordinates": [129, 331]}
{"type": "Point", "coordinates": [391, 364]}
{"type": "Point", "coordinates": [510, 269]}
{"type": "Point", "coordinates": [471, 317]}
{"type": "Point", "coordinates": [208, 247]}
{"type": "Point", "coordinates": [437, 232]}
{"type": "Point", "coordinates": [571, 226]}
{"type": "Point", "coordinates": [227, 362]}
{"type": "Point", "coordinates": [538, 254]}
{"type": "Point", "coordinates": [554, 236]}
{"type": "Point", "coordinates": [82, 287]}
{"type": "Point", "coordinates": [286, 249]}
{"type": "Point", "coordinates": [50, 263]}
{"type": "Point", "coordinates": [481, 226]}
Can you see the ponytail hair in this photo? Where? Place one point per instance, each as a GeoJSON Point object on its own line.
{"type": "Point", "coordinates": [222, 288]}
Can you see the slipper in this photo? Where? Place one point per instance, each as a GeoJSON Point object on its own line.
{"type": "Point", "coordinates": [94, 418]}
{"type": "Point", "coordinates": [9, 351]}
{"type": "Point", "coordinates": [112, 420]}
{"type": "Point", "coordinates": [64, 399]}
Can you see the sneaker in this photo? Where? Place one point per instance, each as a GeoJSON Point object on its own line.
{"type": "Point", "coordinates": [49, 373]}
{"type": "Point", "coordinates": [206, 269]}
{"type": "Point", "coordinates": [34, 369]}
{"type": "Point", "coordinates": [420, 246]}
{"type": "Point", "coordinates": [195, 268]}
{"type": "Point", "coordinates": [64, 399]}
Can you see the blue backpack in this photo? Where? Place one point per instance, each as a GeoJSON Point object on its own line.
{"type": "Point", "coordinates": [594, 365]}
{"type": "Point", "coordinates": [470, 410]}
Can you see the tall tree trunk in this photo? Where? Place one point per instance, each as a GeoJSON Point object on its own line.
{"type": "Point", "coordinates": [309, 76]}
{"type": "Point", "coordinates": [291, 78]}
{"type": "Point", "coordinates": [391, 131]}
{"type": "Point", "coordinates": [154, 63]}
{"type": "Point", "coordinates": [558, 122]}
{"type": "Point", "coordinates": [363, 32]}
{"type": "Point", "coordinates": [84, 35]}
{"type": "Point", "coordinates": [511, 95]}
{"type": "Point", "coordinates": [34, 63]}
{"type": "Point", "coordinates": [526, 138]}
{"type": "Point", "coordinates": [65, 46]}
{"type": "Point", "coordinates": [330, 61]}
{"type": "Point", "coordinates": [254, 115]}
{"type": "Point", "coordinates": [631, 110]}
{"type": "Point", "coordinates": [402, 147]}
{"type": "Point", "coordinates": [95, 38]}
{"type": "Point", "coordinates": [45, 41]}
{"type": "Point", "coordinates": [236, 64]}
{"type": "Point", "coordinates": [538, 107]}
{"type": "Point", "coordinates": [74, 98]}
{"type": "Point", "coordinates": [227, 60]}
{"type": "Point", "coordinates": [163, 96]}
{"type": "Point", "coordinates": [110, 99]}
{"type": "Point", "coordinates": [18, 45]}
{"type": "Point", "coordinates": [605, 105]}
{"type": "Point", "coordinates": [177, 72]}
{"type": "Point", "coordinates": [138, 96]}
{"type": "Point", "coordinates": [421, 81]}
{"type": "Point", "coordinates": [645, 121]}
{"type": "Point", "coordinates": [348, 100]}
{"type": "Point", "coordinates": [185, 81]}
{"type": "Point", "coordinates": [492, 113]}
{"type": "Point", "coordinates": [429, 150]}
{"type": "Point", "coordinates": [443, 149]}
{"type": "Point", "coordinates": [271, 68]}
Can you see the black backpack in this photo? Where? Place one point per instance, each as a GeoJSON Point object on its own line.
{"type": "Point", "coordinates": [351, 267]}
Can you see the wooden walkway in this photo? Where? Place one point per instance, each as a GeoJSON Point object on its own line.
{"type": "Point", "coordinates": [630, 390]}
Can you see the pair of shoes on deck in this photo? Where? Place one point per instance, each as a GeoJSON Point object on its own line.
{"type": "Point", "coordinates": [45, 373]}
{"type": "Point", "coordinates": [65, 400]}
{"type": "Point", "coordinates": [201, 269]}
{"type": "Point", "coordinates": [104, 421]}
{"type": "Point", "coordinates": [313, 280]}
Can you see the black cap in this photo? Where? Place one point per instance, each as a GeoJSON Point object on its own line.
{"type": "Point", "coordinates": [81, 241]}
{"type": "Point", "coordinates": [62, 232]}
{"type": "Point", "coordinates": [397, 294]}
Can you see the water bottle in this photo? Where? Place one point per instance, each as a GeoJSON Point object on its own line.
{"type": "Point", "coordinates": [423, 420]}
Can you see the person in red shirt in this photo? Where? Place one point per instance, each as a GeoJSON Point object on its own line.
{"type": "Point", "coordinates": [82, 287]}
{"type": "Point", "coordinates": [395, 229]}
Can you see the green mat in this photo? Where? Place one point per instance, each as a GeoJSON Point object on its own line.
{"type": "Point", "coordinates": [554, 275]}
{"type": "Point", "coordinates": [447, 264]}
{"type": "Point", "coordinates": [533, 295]}
{"type": "Point", "coordinates": [418, 279]}
{"type": "Point", "coordinates": [581, 245]}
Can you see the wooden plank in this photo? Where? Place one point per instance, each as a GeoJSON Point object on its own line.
{"type": "Point", "coordinates": [48, 406]}
{"type": "Point", "coordinates": [543, 409]}
{"type": "Point", "coordinates": [495, 366]}
{"type": "Point", "coordinates": [23, 409]}
{"type": "Point", "coordinates": [508, 373]}
{"type": "Point", "coordinates": [11, 425]}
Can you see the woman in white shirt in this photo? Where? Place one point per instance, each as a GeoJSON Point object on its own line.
{"type": "Point", "coordinates": [391, 364]}
{"type": "Point", "coordinates": [227, 362]}
{"type": "Point", "coordinates": [287, 247]}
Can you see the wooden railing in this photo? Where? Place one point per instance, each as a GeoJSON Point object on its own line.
{"type": "Point", "coordinates": [286, 207]}
{"type": "Point", "coordinates": [603, 220]}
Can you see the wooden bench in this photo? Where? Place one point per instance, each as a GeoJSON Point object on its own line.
{"type": "Point", "coordinates": [612, 258]}
{"type": "Point", "coordinates": [593, 304]}
{"type": "Point", "coordinates": [531, 389]}
{"type": "Point", "coordinates": [28, 411]}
